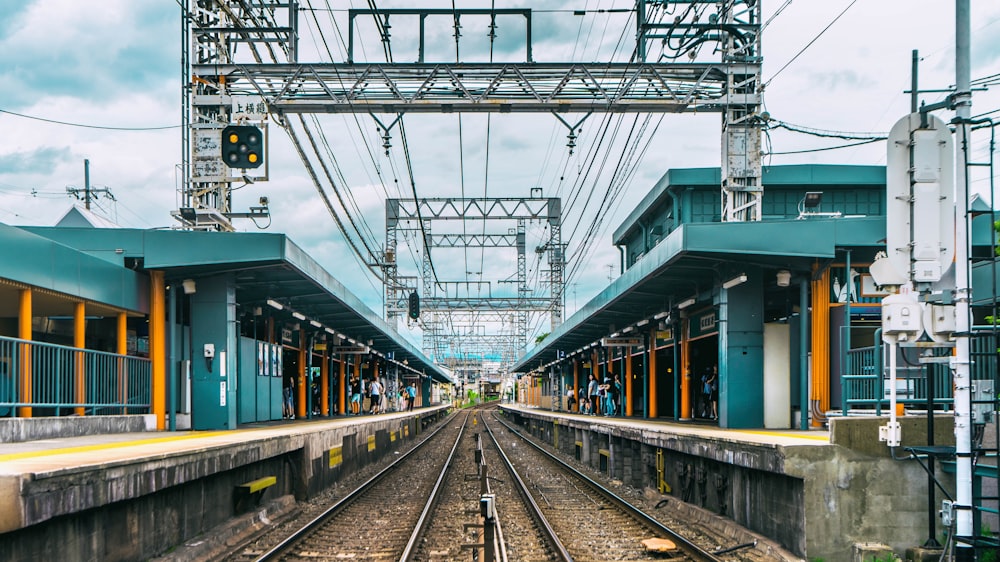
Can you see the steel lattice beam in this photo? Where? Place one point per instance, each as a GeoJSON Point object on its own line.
{"type": "Point", "coordinates": [446, 304]}
{"type": "Point", "coordinates": [485, 87]}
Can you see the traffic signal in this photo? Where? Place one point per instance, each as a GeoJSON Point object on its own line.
{"type": "Point", "coordinates": [242, 146]}
{"type": "Point", "coordinates": [414, 305]}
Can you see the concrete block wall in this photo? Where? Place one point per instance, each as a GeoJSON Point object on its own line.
{"type": "Point", "coordinates": [19, 430]}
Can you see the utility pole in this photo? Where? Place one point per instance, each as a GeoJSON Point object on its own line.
{"type": "Point", "coordinates": [88, 192]}
{"type": "Point", "coordinates": [963, 405]}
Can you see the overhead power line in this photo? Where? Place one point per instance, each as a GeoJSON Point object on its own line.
{"type": "Point", "coordinates": [809, 44]}
{"type": "Point", "coordinates": [86, 126]}
{"type": "Point", "coordinates": [776, 124]}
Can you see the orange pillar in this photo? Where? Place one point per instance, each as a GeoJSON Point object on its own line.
{"type": "Point", "coordinates": [820, 292]}
{"type": "Point", "coordinates": [157, 346]}
{"type": "Point", "coordinates": [628, 381]}
{"type": "Point", "coordinates": [324, 384]}
{"type": "Point", "coordinates": [300, 407]}
{"type": "Point", "coordinates": [357, 375]}
{"type": "Point", "coordinates": [686, 412]}
{"type": "Point", "coordinates": [24, 333]}
{"type": "Point", "coordinates": [122, 349]}
{"type": "Point", "coordinates": [80, 342]}
{"type": "Point", "coordinates": [342, 387]}
{"type": "Point", "coordinates": [653, 411]}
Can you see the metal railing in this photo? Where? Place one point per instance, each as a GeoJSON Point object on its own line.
{"type": "Point", "coordinates": [865, 382]}
{"type": "Point", "coordinates": [67, 380]}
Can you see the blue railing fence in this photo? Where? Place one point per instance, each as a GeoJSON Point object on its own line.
{"type": "Point", "coordinates": [67, 379]}
{"type": "Point", "coordinates": [865, 376]}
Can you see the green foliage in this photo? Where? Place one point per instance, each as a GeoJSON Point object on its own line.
{"type": "Point", "coordinates": [985, 531]}
{"type": "Point", "coordinates": [541, 337]}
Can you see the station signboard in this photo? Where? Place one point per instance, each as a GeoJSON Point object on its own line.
{"type": "Point", "coordinates": [349, 349]}
{"type": "Point", "coordinates": [621, 342]}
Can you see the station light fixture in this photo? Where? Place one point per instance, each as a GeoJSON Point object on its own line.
{"type": "Point", "coordinates": [812, 199]}
{"type": "Point", "coordinates": [275, 304]}
{"type": "Point", "coordinates": [299, 315]}
{"type": "Point", "coordinates": [686, 303]}
{"type": "Point", "coordinates": [738, 280]}
{"type": "Point", "coordinates": [661, 315]}
{"type": "Point", "coordinates": [316, 324]}
{"type": "Point", "coordinates": [784, 278]}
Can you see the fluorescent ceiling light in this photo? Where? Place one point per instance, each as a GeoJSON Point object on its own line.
{"type": "Point", "coordinates": [686, 303]}
{"type": "Point", "coordinates": [299, 315]}
{"type": "Point", "coordinates": [738, 280]}
{"type": "Point", "coordinates": [315, 323]}
{"type": "Point", "coordinates": [641, 323]}
{"type": "Point", "coordinates": [662, 315]}
{"type": "Point", "coordinates": [275, 304]}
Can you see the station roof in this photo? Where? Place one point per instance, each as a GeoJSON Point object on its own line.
{"type": "Point", "coordinates": [61, 271]}
{"type": "Point", "coordinates": [691, 259]}
{"type": "Point", "coordinates": [812, 175]}
{"type": "Point", "coordinates": [264, 267]}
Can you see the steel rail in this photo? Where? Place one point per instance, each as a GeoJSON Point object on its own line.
{"type": "Point", "coordinates": [421, 525]}
{"type": "Point", "coordinates": [339, 506]}
{"type": "Point", "coordinates": [692, 549]}
{"type": "Point", "coordinates": [535, 510]}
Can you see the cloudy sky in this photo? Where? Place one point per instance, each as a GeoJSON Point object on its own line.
{"type": "Point", "coordinates": [78, 82]}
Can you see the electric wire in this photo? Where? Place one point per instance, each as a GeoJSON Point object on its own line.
{"type": "Point", "coordinates": [809, 44]}
{"type": "Point", "coordinates": [88, 126]}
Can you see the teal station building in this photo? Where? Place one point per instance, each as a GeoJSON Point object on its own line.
{"type": "Point", "coordinates": [784, 309]}
{"type": "Point", "coordinates": [202, 330]}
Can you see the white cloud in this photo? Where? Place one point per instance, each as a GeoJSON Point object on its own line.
{"type": "Point", "coordinates": [119, 66]}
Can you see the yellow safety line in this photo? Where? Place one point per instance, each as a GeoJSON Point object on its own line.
{"type": "Point", "coordinates": [112, 445]}
{"type": "Point", "coordinates": [803, 435]}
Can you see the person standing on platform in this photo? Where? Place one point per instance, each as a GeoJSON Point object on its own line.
{"type": "Point", "coordinates": [704, 393]}
{"type": "Point", "coordinates": [713, 392]}
{"type": "Point", "coordinates": [288, 399]}
{"type": "Point", "coordinates": [607, 400]}
{"type": "Point", "coordinates": [355, 396]}
{"type": "Point", "coordinates": [570, 399]}
{"type": "Point", "coordinates": [616, 397]}
{"type": "Point", "coordinates": [376, 395]}
{"type": "Point", "coordinates": [593, 390]}
{"type": "Point", "coordinates": [412, 392]}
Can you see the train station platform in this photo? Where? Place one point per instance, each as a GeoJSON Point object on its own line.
{"type": "Point", "coordinates": [814, 492]}
{"type": "Point", "coordinates": [127, 496]}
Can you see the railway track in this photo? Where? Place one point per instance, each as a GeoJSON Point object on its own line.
{"type": "Point", "coordinates": [426, 507]}
{"type": "Point", "coordinates": [381, 519]}
{"type": "Point", "coordinates": [590, 522]}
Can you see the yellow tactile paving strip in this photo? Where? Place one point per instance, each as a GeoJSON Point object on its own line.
{"type": "Point", "coordinates": [78, 453]}
{"type": "Point", "coordinates": [783, 437]}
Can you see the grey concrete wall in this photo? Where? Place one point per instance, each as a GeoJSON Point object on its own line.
{"type": "Point", "coordinates": [816, 501]}
{"type": "Point", "coordinates": [17, 430]}
{"type": "Point", "coordinates": [137, 510]}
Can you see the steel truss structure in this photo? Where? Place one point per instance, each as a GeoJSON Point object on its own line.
{"type": "Point", "coordinates": [441, 300]}
{"type": "Point", "coordinates": [710, 61]}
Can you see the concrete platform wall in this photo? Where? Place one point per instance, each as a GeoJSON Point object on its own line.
{"type": "Point", "coordinates": [816, 501]}
{"type": "Point", "coordinates": [19, 430]}
{"type": "Point", "coordinates": [141, 509]}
